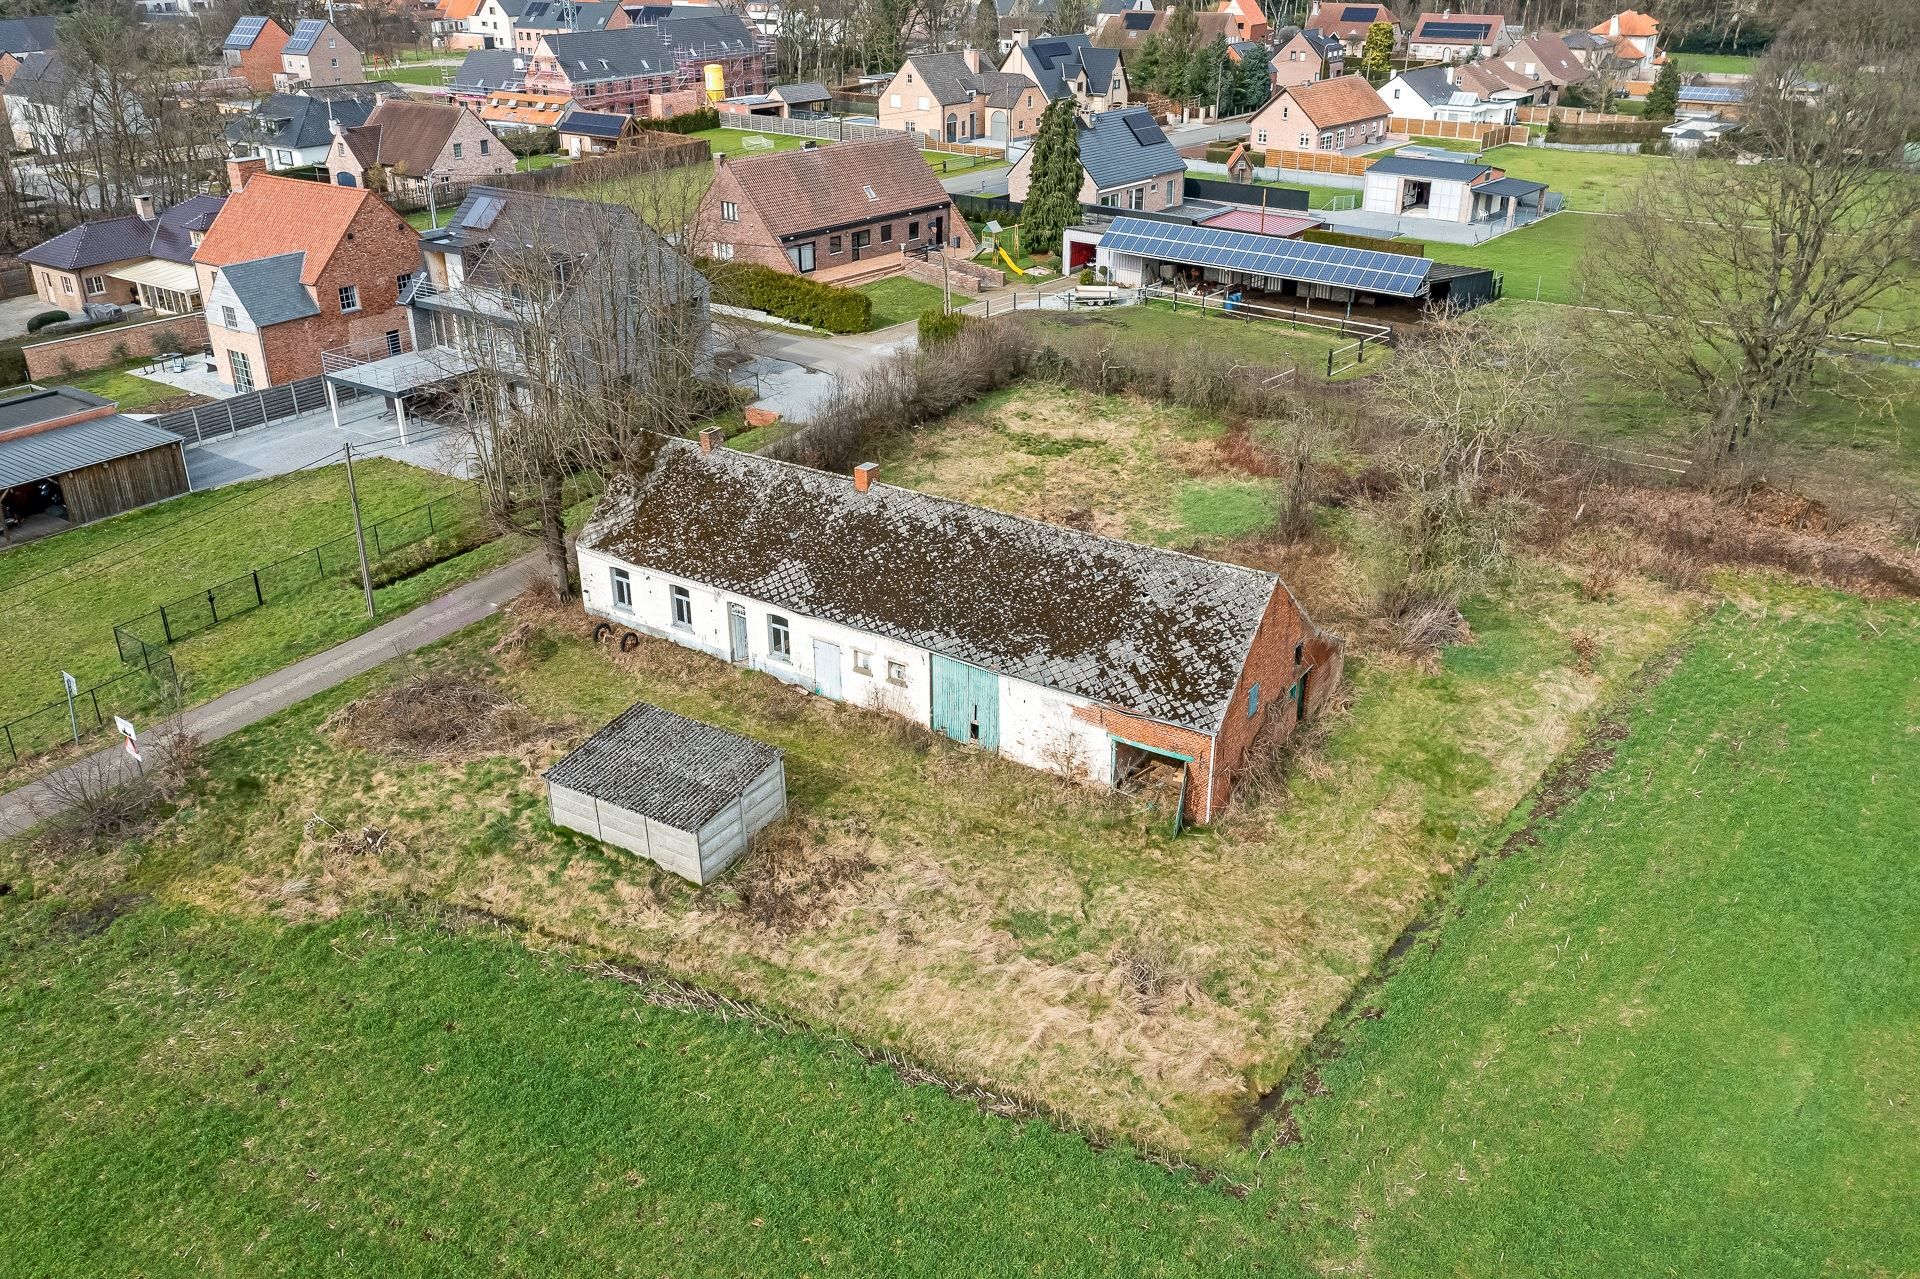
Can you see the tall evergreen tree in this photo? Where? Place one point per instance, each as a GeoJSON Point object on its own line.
{"type": "Point", "coordinates": [1252, 85]}
{"type": "Point", "coordinates": [1663, 99]}
{"type": "Point", "coordinates": [1053, 194]}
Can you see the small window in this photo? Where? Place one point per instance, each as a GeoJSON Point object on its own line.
{"type": "Point", "coordinates": [913, 230]}
{"type": "Point", "coordinates": [96, 284]}
{"type": "Point", "coordinates": [896, 672]}
{"type": "Point", "coordinates": [779, 638]}
{"type": "Point", "coordinates": [886, 234]}
{"type": "Point", "coordinates": [1253, 701]}
{"type": "Point", "coordinates": [485, 147]}
{"type": "Point", "coordinates": [722, 251]}
{"type": "Point", "coordinates": [458, 147]}
{"type": "Point", "coordinates": [67, 284]}
{"type": "Point", "coordinates": [833, 245]}
{"type": "Point", "coordinates": [682, 607]}
{"type": "Point", "coordinates": [622, 589]}
{"type": "Point", "coordinates": [349, 298]}
{"type": "Point", "coordinates": [868, 191]}
{"type": "Point", "coordinates": [729, 211]}
{"type": "Point", "coordinates": [402, 282]}
{"type": "Point", "coordinates": [228, 319]}
{"type": "Point", "coordinates": [862, 662]}
{"type": "Point", "coordinates": [1299, 652]}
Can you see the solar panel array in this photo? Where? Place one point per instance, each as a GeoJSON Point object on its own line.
{"type": "Point", "coordinates": [1711, 93]}
{"type": "Point", "coordinates": [1362, 13]}
{"type": "Point", "coordinates": [245, 32]}
{"type": "Point", "coordinates": [1455, 30]}
{"type": "Point", "coordinates": [305, 36]}
{"type": "Point", "coordinates": [1135, 21]}
{"type": "Point", "coordinates": [1145, 131]}
{"type": "Point", "coordinates": [1330, 264]}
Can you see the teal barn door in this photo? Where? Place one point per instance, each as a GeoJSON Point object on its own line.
{"type": "Point", "coordinates": [966, 703]}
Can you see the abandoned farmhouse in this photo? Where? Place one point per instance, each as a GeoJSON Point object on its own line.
{"type": "Point", "coordinates": [1060, 649]}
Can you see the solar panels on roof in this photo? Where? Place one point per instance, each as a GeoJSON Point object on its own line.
{"type": "Point", "coordinates": [1137, 20]}
{"type": "Point", "coordinates": [1456, 30]}
{"type": "Point", "coordinates": [485, 209]}
{"type": "Point", "coordinates": [1359, 13]}
{"type": "Point", "coordinates": [1711, 93]}
{"type": "Point", "coordinates": [1145, 131]}
{"type": "Point", "coordinates": [1334, 265]}
{"type": "Point", "coordinates": [244, 33]}
{"type": "Point", "coordinates": [305, 36]}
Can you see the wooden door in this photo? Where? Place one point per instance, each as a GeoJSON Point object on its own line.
{"type": "Point", "coordinates": [966, 703]}
{"type": "Point", "coordinates": [737, 631]}
{"type": "Point", "coordinates": [826, 669]}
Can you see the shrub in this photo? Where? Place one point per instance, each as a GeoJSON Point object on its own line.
{"type": "Point", "coordinates": [791, 297]}
{"type": "Point", "coordinates": [1086, 275]}
{"type": "Point", "coordinates": [691, 122]}
{"type": "Point", "coordinates": [43, 319]}
{"type": "Point", "coordinates": [13, 366]}
{"type": "Point", "coordinates": [533, 141]}
{"type": "Point", "coordinates": [939, 326]}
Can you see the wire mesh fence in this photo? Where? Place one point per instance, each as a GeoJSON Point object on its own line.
{"type": "Point", "coordinates": [151, 686]}
{"type": "Point", "coordinates": [450, 518]}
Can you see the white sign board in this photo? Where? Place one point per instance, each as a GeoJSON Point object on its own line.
{"type": "Point", "coordinates": [126, 730]}
{"type": "Point", "coordinates": [73, 685]}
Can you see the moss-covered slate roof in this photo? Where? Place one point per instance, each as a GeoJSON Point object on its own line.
{"type": "Point", "coordinates": [1156, 632]}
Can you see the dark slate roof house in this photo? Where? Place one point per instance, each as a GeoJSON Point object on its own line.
{"type": "Point", "coordinates": [1121, 147]}
{"type": "Point", "coordinates": [168, 237]}
{"type": "Point", "coordinates": [1005, 632]}
{"type": "Point", "coordinates": [304, 121]}
{"type": "Point", "coordinates": [486, 70]}
{"type": "Point", "coordinates": [27, 35]}
{"type": "Point", "coordinates": [1058, 63]}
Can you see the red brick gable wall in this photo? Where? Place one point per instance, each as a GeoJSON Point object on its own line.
{"type": "Point", "coordinates": [376, 248]}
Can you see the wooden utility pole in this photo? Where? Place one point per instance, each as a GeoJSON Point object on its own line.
{"type": "Point", "coordinates": [359, 533]}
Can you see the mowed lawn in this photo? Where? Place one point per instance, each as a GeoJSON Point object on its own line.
{"type": "Point", "coordinates": [1539, 262]}
{"type": "Point", "coordinates": [65, 593]}
{"type": "Point", "coordinates": [1718, 63]}
{"type": "Point", "coordinates": [1593, 181]}
{"type": "Point", "coordinates": [1160, 331]}
{"type": "Point", "coordinates": [899, 300]}
{"type": "Point", "coordinates": [1681, 1033]}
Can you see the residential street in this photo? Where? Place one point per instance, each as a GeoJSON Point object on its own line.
{"type": "Point", "coordinates": [26, 807]}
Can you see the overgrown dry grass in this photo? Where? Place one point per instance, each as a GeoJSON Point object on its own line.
{"type": "Point", "coordinates": [993, 922]}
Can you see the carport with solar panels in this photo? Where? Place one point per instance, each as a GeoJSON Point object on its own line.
{"type": "Point", "coordinates": [1138, 251]}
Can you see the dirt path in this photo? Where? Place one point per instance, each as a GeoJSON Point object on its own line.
{"type": "Point", "coordinates": [28, 806]}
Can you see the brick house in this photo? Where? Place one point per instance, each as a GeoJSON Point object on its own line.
{"type": "Point", "coordinates": [1457, 37]}
{"type": "Point", "coordinates": [1350, 23]}
{"type": "Point", "coordinates": [252, 52]}
{"type": "Point", "coordinates": [848, 210]}
{"type": "Point", "coordinates": [144, 258]}
{"type": "Point", "coordinates": [1071, 66]}
{"type": "Point", "coordinates": [1110, 662]}
{"type": "Point", "coordinates": [1303, 56]}
{"type": "Point", "coordinates": [655, 69]}
{"type": "Point", "coordinates": [1249, 20]}
{"type": "Point", "coordinates": [1126, 162]}
{"type": "Point", "coordinates": [1327, 115]}
{"type": "Point", "coordinates": [956, 96]}
{"type": "Point", "coordinates": [317, 54]}
{"type": "Point", "coordinates": [291, 269]}
{"type": "Point", "coordinates": [405, 144]}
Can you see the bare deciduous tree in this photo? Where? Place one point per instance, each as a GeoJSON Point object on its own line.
{"type": "Point", "coordinates": [1738, 276]}
{"type": "Point", "coordinates": [1468, 399]}
{"type": "Point", "coordinates": [588, 337]}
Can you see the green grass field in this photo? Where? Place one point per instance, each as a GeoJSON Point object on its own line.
{"type": "Point", "coordinates": [1718, 63]}
{"type": "Point", "coordinates": [1157, 330]}
{"type": "Point", "coordinates": [65, 593]}
{"type": "Point", "coordinates": [899, 300]}
{"type": "Point", "coordinates": [1669, 1031]}
{"type": "Point", "coordinates": [733, 141]}
{"type": "Point", "coordinates": [1591, 180]}
{"type": "Point", "coordinates": [1540, 262]}
{"type": "Point", "coordinates": [1678, 1034]}
{"type": "Point", "coordinates": [434, 75]}
{"type": "Point", "coordinates": [134, 394]}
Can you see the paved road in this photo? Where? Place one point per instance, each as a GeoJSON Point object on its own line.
{"type": "Point", "coordinates": [32, 804]}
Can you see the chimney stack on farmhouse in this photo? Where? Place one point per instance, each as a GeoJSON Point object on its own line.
{"type": "Point", "coordinates": [143, 207]}
{"type": "Point", "coordinates": [239, 172]}
{"type": "Point", "coordinates": [712, 438]}
{"type": "Point", "coordinates": [863, 476]}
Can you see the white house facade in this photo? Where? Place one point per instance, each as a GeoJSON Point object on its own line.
{"type": "Point", "coordinates": [810, 549]}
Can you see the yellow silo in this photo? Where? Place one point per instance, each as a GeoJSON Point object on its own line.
{"type": "Point", "coordinates": [716, 82]}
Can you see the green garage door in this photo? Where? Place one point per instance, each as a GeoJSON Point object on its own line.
{"type": "Point", "coordinates": [966, 703]}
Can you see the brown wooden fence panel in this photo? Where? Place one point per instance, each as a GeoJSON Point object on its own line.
{"type": "Point", "coordinates": [1352, 166]}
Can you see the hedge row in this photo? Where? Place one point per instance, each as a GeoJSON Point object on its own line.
{"type": "Point", "coordinates": [687, 122]}
{"type": "Point", "coordinates": [1405, 248]}
{"type": "Point", "coordinates": [791, 297]}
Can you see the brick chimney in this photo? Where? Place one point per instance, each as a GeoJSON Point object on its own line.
{"type": "Point", "coordinates": [863, 476]}
{"type": "Point", "coordinates": [973, 59]}
{"type": "Point", "coordinates": [240, 172]}
{"type": "Point", "coordinates": [712, 438]}
{"type": "Point", "coordinates": [143, 207]}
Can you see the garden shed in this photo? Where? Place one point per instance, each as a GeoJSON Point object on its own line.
{"type": "Point", "coordinates": [685, 795]}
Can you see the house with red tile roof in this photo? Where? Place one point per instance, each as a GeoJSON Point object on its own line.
{"type": "Point", "coordinates": [290, 269]}
{"type": "Point", "coordinates": [1327, 115]}
{"type": "Point", "coordinates": [1249, 20]}
{"type": "Point", "coordinates": [850, 210]}
{"type": "Point", "coordinates": [1349, 23]}
{"type": "Point", "coordinates": [1635, 38]}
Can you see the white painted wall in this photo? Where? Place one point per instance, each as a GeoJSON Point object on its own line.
{"type": "Point", "coordinates": [1038, 725]}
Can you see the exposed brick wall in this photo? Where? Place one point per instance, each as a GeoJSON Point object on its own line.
{"type": "Point", "coordinates": [1270, 663]}
{"type": "Point", "coordinates": [965, 276]}
{"type": "Point", "coordinates": [95, 350]}
{"type": "Point", "coordinates": [1155, 735]}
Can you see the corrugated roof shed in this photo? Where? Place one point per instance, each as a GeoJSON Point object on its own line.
{"type": "Point", "coordinates": [675, 770]}
{"type": "Point", "coordinates": [1156, 632]}
{"type": "Point", "coordinates": [37, 455]}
